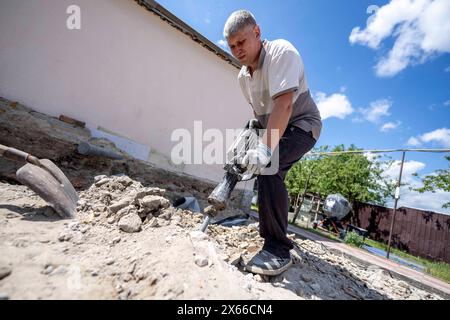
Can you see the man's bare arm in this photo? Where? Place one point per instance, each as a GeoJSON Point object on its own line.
{"type": "Point", "coordinates": [278, 120]}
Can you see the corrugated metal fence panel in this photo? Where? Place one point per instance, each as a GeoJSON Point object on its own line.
{"type": "Point", "coordinates": [421, 233]}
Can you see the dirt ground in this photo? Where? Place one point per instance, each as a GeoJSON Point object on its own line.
{"type": "Point", "coordinates": [50, 258]}
{"type": "Point", "coordinates": [104, 253]}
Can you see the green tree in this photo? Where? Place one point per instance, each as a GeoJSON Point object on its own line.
{"type": "Point", "coordinates": [440, 180]}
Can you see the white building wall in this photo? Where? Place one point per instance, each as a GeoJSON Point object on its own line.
{"type": "Point", "coordinates": [126, 71]}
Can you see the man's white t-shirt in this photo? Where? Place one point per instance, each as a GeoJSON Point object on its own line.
{"type": "Point", "coordinates": [280, 70]}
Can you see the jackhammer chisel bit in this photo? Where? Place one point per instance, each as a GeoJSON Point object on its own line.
{"type": "Point", "coordinates": [218, 198]}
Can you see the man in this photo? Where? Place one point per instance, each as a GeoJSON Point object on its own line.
{"type": "Point", "coordinates": [272, 80]}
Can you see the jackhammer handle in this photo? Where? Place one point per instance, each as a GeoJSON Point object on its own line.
{"type": "Point", "coordinates": [17, 155]}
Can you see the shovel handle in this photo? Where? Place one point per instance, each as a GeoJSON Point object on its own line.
{"type": "Point", "coordinates": [2, 149]}
{"type": "Point", "coordinates": [17, 155]}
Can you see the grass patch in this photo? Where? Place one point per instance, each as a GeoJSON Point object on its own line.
{"type": "Point", "coordinates": [383, 246]}
{"type": "Point", "coordinates": [439, 270]}
{"type": "Point", "coordinates": [354, 239]}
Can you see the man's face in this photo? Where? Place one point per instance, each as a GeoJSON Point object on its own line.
{"type": "Point", "coordinates": [245, 45]}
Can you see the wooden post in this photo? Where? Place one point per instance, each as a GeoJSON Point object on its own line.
{"type": "Point", "coordinates": [296, 202]}
{"type": "Point", "coordinates": [317, 209]}
{"type": "Point", "coordinates": [303, 196]}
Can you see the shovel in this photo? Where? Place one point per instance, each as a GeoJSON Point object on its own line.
{"type": "Point", "coordinates": [46, 180]}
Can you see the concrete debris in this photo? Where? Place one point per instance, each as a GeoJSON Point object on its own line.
{"type": "Point", "coordinates": [201, 261]}
{"type": "Point", "coordinates": [114, 208]}
{"type": "Point", "coordinates": [4, 296]}
{"type": "Point", "coordinates": [48, 269]}
{"type": "Point", "coordinates": [152, 222]}
{"type": "Point", "coordinates": [110, 261]}
{"type": "Point", "coordinates": [5, 271]}
{"type": "Point", "coordinates": [235, 260]}
{"type": "Point", "coordinates": [60, 270]}
{"type": "Point", "coordinates": [198, 236]}
{"type": "Point", "coordinates": [130, 223]}
{"type": "Point", "coordinates": [64, 237]}
{"type": "Point", "coordinates": [129, 204]}
{"type": "Point", "coordinates": [154, 203]}
{"type": "Point", "coordinates": [305, 278]}
{"type": "Point", "coordinates": [258, 278]}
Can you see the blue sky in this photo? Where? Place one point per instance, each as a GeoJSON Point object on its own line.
{"type": "Point", "coordinates": [377, 89]}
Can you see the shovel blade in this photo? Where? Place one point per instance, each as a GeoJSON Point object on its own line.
{"type": "Point", "coordinates": [48, 188]}
{"type": "Point", "coordinates": [61, 177]}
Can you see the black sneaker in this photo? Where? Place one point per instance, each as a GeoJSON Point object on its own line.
{"type": "Point", "coordinates": [268, 264]}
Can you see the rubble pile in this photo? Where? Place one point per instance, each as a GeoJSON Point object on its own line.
{"type": "Point", "coordinates": [125, 203]}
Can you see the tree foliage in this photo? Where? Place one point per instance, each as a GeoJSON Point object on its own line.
{"type": "Point", "coordinates": [440, 180]}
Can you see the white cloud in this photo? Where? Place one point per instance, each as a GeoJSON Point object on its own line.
{"type": "Point", "coordinates": [440, 137]}
{"type": "Point", "coordinates": [408, 198]}
{"type": "Point", "coordinates": [447, 69]}
{"type": "Point", "coordinates": [413, 142]}
{"type": "Point", "coordinates": [447, 103]}
{"type": "Point", "coordinates": [421, 29]}
{"type": "Point", "coordinates": [377, 110]}
{"type": "Point", "coordinates": [409, 167]}
{"type": "Point", "coordinates": [223, 44]}
{"type": "Point", "coordinates": [425, 201]}
{"type": "Point", "coordinates": [390, 126]}
{"type": "Point", "coordinates": [336, 105]}
{"type": "Point", "coordinates": [370, 156]}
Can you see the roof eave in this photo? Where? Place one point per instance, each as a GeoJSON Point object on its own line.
{"type": "Point", "coordinates": [177, 23]}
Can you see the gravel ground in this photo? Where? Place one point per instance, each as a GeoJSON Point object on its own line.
{"type": "Point", "coordinates": [128, 242]}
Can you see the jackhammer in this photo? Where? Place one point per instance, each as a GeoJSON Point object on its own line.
{"type": "Point", "coordinates": [234, 171]}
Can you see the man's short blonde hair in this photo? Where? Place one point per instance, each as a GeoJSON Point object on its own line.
{"type": "Point", "coordinates": [237, 21]}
